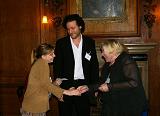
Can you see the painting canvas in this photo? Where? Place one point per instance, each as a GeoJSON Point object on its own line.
{"type": "Point", "coordinates": [103, 8]}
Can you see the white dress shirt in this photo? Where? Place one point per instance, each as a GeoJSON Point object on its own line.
{"type": "Point", "coordinates": [77, 52]}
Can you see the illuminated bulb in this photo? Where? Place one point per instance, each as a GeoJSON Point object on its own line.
{"type": "Point", "coordinates": [44, 19]}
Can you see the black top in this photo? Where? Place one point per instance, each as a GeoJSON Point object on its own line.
{"type": "Point", "coordinates": [126, 92]}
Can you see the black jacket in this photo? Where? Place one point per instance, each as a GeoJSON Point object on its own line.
{"type": "Point", "coordinates": [64, 61]}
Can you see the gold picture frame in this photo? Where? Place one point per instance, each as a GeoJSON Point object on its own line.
{"type": "Point", "coordinates": [125, 24]}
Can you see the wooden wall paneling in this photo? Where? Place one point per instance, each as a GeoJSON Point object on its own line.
{"type": "Point", "coordinates": [154, 82]}
{"type": "Point", "coordinates": [19, 34]}
{"type": "Point", "coordinates": [9, 105]}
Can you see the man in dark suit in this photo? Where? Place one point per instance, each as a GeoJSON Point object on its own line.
{"type": "Point", "coordinates": [76, 64]}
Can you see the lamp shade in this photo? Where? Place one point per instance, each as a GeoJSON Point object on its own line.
{"type": "Point", "coordinates": [44, 19]}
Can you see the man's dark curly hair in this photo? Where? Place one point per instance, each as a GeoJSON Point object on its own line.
{"type": "Point", "coordinates": [74, 17]}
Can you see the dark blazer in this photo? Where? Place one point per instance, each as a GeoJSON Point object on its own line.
{"type": "Point", "coordinates": [64, 61]}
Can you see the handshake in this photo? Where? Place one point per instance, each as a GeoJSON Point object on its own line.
{"type": "Point", "coordinates": [72, 91]}
{"type": "Point", "coordinates": [76, 91]}
{"type": "Point", "coordinates": [81, 89]}
{"type": "Point", "coordinates": [84, 88]}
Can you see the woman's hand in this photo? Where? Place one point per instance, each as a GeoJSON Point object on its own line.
{"type": "Point", "coordinates": [83, 89]}
{"type": "Point", "coordinates": [72, 92]}
{"type": "Point", "coordinates": [104, 87]}
{"type": "Point", "coordinates": [58, 81]}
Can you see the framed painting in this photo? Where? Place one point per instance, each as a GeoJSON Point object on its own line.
{"type": "Point", "coordinates": [108, 18]}
{"type": "Point", "coordinates": [107, 9]}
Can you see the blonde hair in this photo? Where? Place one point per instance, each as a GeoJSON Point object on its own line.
{"type": "Point", "coordinates": [42, 49]}
{"type": "Point", "coordinates": [113, 46]}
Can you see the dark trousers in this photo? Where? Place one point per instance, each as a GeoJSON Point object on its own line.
{"type": "Point", "coordinates": [74, 106]}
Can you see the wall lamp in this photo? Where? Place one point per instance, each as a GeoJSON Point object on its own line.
{"type": "Point", "coordinates": [44, 19]}
{"type": "Point", "coordinates": [53, 10]}
{"type": "Point", "coordinates": [56, 20]}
